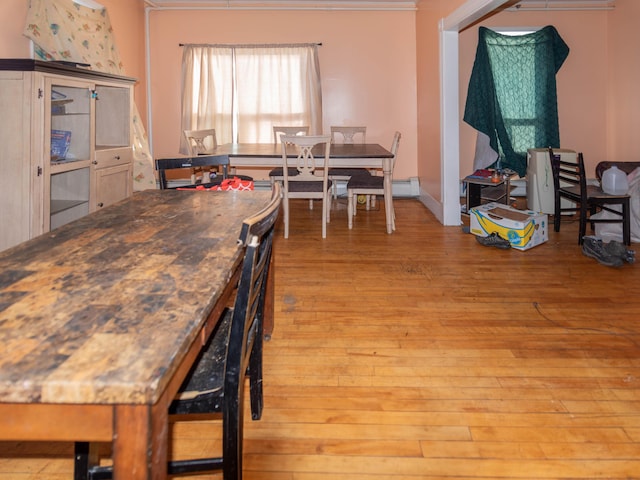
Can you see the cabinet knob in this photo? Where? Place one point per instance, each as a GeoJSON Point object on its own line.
{"type": "Point", "coordinates": [117, 157]}
{"type": "Point", "coordinates": [95, 162]}
{"type": "Point", "coordinates": [101, 205]}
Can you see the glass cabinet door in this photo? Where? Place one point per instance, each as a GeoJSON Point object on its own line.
{"type": "Point", "coordinates": [68, 142]}
{"type": "Point", "coordinates": [70, 122]}
{"type": "Point", "coordinates": [113, 104]}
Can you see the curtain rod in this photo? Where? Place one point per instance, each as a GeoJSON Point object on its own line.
{"type": "Point", "coordinates": [249, 45]}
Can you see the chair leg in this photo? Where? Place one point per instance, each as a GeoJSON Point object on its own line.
{"type": "Point", "coordinates": [583, 223]}
{"type": "Point", "coordinates": [334, 189]}
{"type": "Point", "coordinates": [81, 461]}
{"type": "Point", "coordinates": [324, 214]}
{"type": "Point", "coordinates": [285, 208]}
{"type": "Point", "coordinates": [556, 214]}
{"type": "Point", "coordinates": [232, 438]}
{"type": "Point", "coordinates": [350, 208]}
{"type": "Point", "coordinates": [626, 222]}
{"type": "Point", "coordinates": [388, 207]}
{"type": "Point", "coordinates": [255, 379]}
{"type": "Point", "coordinates": [85, 457]}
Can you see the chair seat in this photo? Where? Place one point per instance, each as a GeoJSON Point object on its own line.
{"type": "Point", "coordinates": [307, 187]}
{"type": "Point", "coordinates": [202, 390]}
{"type": "Point", "coordinates": [593, 191]}
{"type": "Point", "coordinates": [347, 172]}
{"type": "Point", "coordinates": [597, 192]}
{"type": "Point", "coordinates": [368, 181]}
{"type": "Point", "coordinates": [279, 172]}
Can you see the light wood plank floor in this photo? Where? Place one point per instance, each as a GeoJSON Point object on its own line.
{"type": "Point", "coordinates": [424, 355]}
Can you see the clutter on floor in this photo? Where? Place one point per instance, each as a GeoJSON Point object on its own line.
{"type": "Point", "coordinates": [611, 254]}
{"type": "Point", "coordinates": [523, 229]}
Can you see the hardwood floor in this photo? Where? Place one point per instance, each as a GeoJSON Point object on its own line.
{"type": "Point", "coordinates": [424, 355]}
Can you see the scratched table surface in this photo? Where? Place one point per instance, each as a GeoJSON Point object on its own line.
{"type": "Point", "coordinates": [102, 310]}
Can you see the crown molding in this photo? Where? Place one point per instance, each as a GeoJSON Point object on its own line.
{"type": "Point", "coordinates": [395, 5]}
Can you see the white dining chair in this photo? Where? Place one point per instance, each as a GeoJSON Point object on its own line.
{"type": "Point", "coordinates": [374, 185]}
{"type": "Point", "coordinates": [347, 135]}
{"type": "Point", "coordinates": [311, 181]}
{"type": "Point", "coordinates": [275, 174]}
{"type": "Point", "coordinates": [200, 142]}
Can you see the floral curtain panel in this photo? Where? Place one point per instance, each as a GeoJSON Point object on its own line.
{"type": "Point", "coordinates": [80, 31]}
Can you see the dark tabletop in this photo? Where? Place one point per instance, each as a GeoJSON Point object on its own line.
{"type": "Point", "coordinates": [103, 309]}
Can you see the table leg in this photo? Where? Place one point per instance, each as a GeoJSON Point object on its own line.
{"type": "Point", "coordinates": [473, 195]}
{"type": "Point", "coordinates": [388, 195]}
{"type": "Point", "coordinates": [140, 442]}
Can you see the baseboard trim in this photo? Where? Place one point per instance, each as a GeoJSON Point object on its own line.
{"type": "Point", "coordinates": [402, 188]}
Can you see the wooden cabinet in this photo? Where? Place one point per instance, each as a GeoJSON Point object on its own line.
{"type": "Point", "coordinates": [65, 145]}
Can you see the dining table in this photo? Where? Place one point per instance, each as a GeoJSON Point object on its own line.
{"type": "Point", "coordinates": [268, 155]}
{"type": "Point", "coordinates": [101, 320]}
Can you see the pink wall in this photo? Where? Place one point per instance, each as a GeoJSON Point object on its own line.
{"type": "Point", "coordinates": [623, 75]}
{"type": "Point", "coordinates": [12, 19]}
{"type": "Point", "coordinates": [127, 20]}
{"type": "Point", "coordinates": [428, 76]}
{"type": "Point", "coordinates": [367, 63]}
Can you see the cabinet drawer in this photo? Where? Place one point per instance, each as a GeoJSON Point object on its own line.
{"type": "Point", "coordinates": [113, 157]}
{"type": "Point", "coordinates": [112, 184]}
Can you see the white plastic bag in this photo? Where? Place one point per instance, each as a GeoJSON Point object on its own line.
{"type": "Point", "coordinates": [613, 231]}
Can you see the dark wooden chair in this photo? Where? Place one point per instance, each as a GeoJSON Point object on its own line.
{"type": "Point", "coordinates": [215, 384]}
{"type": "Point", "coordinates": [570, 182]}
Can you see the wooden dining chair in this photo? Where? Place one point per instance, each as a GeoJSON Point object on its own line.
{"type": "Point", "coordinates": [347, 135]}
{"type": "Point", "coordinates": [216, 381]}
{"type": "Point", "coordinates": [200, 142]}
{"type": "Point", "coordinates": [275, 174]}
{"type": "Point", "coordinates": [311, 181]}
{"type": "Point", "coordinates": [374, 185]}
{"type": "Point", "coordinates": [570, 182]}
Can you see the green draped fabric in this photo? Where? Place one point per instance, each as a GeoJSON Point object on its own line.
{"type": "Point", "coordinates": [512, 93]}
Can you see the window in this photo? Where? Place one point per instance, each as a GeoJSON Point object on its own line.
{"type": "Point", "coordinates": [512, 98]}
{"type": "Point", "coordinates": [242, 91]}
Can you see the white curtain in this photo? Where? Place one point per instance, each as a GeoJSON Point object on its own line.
{"type": "Point", "coordinates": [242, 91]}
{"type": "Point", "coordinates": [72, 31]}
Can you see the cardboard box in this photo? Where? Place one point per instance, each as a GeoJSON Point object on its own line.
{"type": "Point", "coordinates": [523, 228]}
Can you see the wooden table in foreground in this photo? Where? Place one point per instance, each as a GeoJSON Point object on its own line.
{"type": "Point", "coordinates": [102, 318]}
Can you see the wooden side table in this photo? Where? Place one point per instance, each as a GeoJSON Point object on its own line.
{"type": "Point", "coordinates": [483, 190]}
